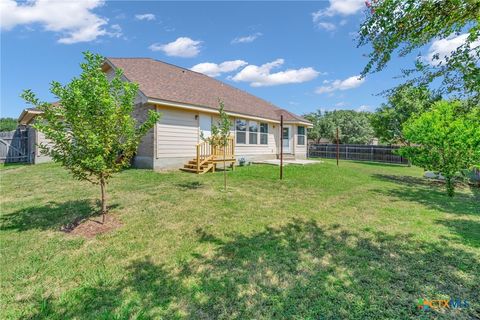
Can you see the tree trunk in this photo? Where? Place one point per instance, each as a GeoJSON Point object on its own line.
{"type": "Point", "coordinates": [104, 198]}
{"type": "Point", "coordinates": [450, 185]}
{"type": "Point", "coordinates": [224, 170]}
{"type": "Point", "coordinates": [408, 160]}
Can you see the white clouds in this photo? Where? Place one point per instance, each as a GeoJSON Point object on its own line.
{"type": "Point", "coordinates": [116, 31]}
{"type": "Point", "coordinates": [349, 83]}
{"type": "Point", "coordinates": [444, 48]}
{"type": "Point", "coordinates": [214, 70]}
{"type": "Point", "coordinates": [74, 20]}
{"type": "Point", "coordinates": [145, 16]}
{"type": "Point", "coordinates": [336, 7]}
{"type": "Point", "coordinates": [340, 7]}
{"type": "Point", "coordinates": [247, 39]}
{"type": "Point", "coordinates": [257, 76]}
{"type": "Point", "coordinates": [260, 76]}
{"type": "Point", "coordinates": [182, 47]}
{"type": "Point", "coordinates": [326, 26]}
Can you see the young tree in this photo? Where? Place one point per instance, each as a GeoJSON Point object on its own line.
{"type": "Point", "coordinates": [404, 102]}
{"type": "Point", "coordinates": [91, 129]}
{"type": "Point", "coordinates": [445, 139]}
{"type": "Point", "coordinates": [406, 25]}
{"type": "Point", "coordinates": [219, 137]}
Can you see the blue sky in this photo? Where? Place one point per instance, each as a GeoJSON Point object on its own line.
{"type": "Point", "coordinates": [301, 56]}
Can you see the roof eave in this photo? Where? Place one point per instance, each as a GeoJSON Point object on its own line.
{"type": "Point", "coordinates": [27, 116]}
{"type": "Point", "coordinates": [306, 124]}
{"type": "Point", "coordinates": [188, 106]}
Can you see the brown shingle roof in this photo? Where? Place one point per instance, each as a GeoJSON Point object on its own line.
{"type": "Point", "coordinates": [160, 80]}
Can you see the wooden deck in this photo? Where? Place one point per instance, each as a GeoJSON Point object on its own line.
{"type": "Point", "coordinates": [208, 156]}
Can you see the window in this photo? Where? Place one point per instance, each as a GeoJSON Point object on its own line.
{"type": "Point", "coordinates": [241, 128]}
{"type": "Point", "coordinates": [263, 133]}
{"type": "Point", "coordinates": [253, 132]}
{"type": "Point", "coordinates": [301, 136]}
{"type": "Point", "coordinates": [255, 129]}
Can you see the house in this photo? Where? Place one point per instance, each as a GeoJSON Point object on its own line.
{"type": "Point", "coordinates": [35, 137]}
{"type": "Point", "coordinates": [188, 102]}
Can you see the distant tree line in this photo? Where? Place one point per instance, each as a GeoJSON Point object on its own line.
{"type": "Point", "coordinates": [8, 124]}
{"type": "Point", "coordinates": [353, 127]}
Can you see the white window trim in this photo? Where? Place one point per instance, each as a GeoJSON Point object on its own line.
{"type": "Point", "coordinates": [304, 135]}
{"type": "Point", "coordinates": [247, 132]}
{"type": "Point", "coordinates": [253, 132]}
{"type": "Point", "coordinates": [260, 133]}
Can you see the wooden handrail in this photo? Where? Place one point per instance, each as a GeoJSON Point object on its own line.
{"type": "Point", "coordinates": [229, 149]}
{"type": "Point", "coordinates": [206, 151]}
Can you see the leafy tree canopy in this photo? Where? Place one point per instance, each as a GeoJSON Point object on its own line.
{"type": "Point", "coordinates": [7, 124]}
{"type": "Point", "coordinates": [354, 127]}
{"type": "Point", "coordinates": [92, 131]}
{"type": "Point", "coordinates": [404, 102]}
{"type": "Point", "coordinates": [445, 139]}
{"type": "Point", "coordinates": [406, 25]}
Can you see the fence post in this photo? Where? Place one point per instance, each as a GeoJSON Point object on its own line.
{"type": "Point", "coordinates": [371, 153]}
{"type": "Point", "coordinates": [346, 152]}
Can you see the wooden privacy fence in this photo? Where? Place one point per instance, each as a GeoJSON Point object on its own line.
{"type": "Point", "coordinates": [360, 152]}
{"type": "Point", "coordinates": [14, 146]}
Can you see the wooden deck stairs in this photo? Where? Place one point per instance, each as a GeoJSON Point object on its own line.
{"type": "Point", "coordinates": [209, 156]}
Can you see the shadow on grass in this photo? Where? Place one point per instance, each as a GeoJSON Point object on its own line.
{"type": "Point", "coordinates": [190, 185]}
{"type": "Point", "coordinates": [468, 231]}
{"type": "Point", "coordinates": [300, 270]}
{"type": "Point", "coordinates": [377, 164]}
{"type": "Point", "coordinates": [53, 215]}
{"type": "Point", "coordinates": [150, 284]}
{"type": "Point", "coordinates": [431, 194]}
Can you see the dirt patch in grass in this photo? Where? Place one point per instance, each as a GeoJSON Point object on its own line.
{"type": "Point", "coordinates": [93, 226]}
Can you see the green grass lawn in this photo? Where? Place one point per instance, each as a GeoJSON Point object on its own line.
{"type": "Point", "coordinates": [362, 241]}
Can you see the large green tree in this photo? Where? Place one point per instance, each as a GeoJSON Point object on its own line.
{"type": "Point", "coordinates": [92, 131]}
{"type": "Point", "coordinates": [316, 133]}
{"type": "Point", "coordinates": [354, 127]}
{"type": "Point", "coordinates": [404, 102]}
{"type": "Point", "coordinates": [445, 139]}
{"type": "Point", "coordinates": [402, 26]}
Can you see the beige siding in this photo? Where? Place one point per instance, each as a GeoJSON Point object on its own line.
{"type": "Point", "coordinates": [254, 149]}
{"type": "Point", "coordinates": [41, 140]}
{"type": "Point", "coordinates": [177, 133]}
{"type": "Point", "coordinates": [300, 150]}
{"type": "Point", "coordinates": [257, 149]}
{"type": "Point", "coordinates": [38, 138]}
{"type": "Point", "coordinates": [145, 149]}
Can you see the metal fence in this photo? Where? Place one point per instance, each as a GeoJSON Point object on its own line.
{"type": "Point", "coordinates": [360, 152]}
{"type": "Point", "coordinates": [14, 146]}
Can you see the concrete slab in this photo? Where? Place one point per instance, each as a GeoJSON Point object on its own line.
{"type": "Point", "coordinates": [276, 162]}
